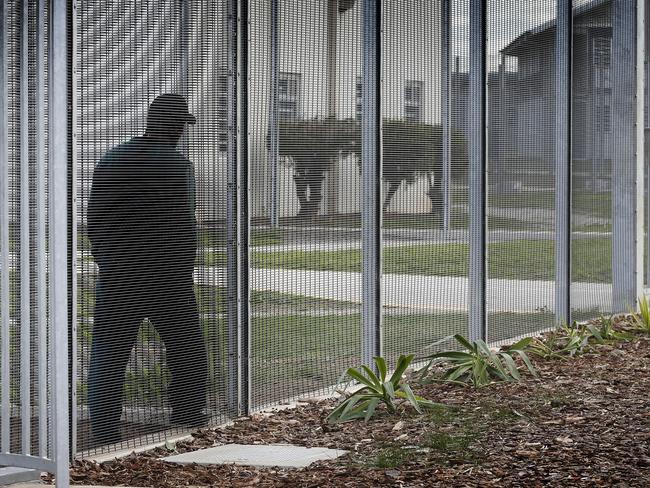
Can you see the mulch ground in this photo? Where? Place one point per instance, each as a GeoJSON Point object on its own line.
{"type": "Point", "coordinates": [584, 422]}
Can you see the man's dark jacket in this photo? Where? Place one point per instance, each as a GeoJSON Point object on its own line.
{"type": "Point", "coordinates": [141, 217]}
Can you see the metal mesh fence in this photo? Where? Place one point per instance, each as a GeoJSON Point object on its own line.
{"type": "Point", "coordinates": [304, 140]}
{"type": "Point", "coordinates": [149, 316]}
{"type": "Point", "coordinates": [25, 333]}
{"type": "Point", "coordinates": [521, 165]}
{"type": "Point", "coordinates": [594, 149]}
{"type": "Point", "coordinates": [425, 90]}
{"type": "Point", "coordinates": [155, 338]}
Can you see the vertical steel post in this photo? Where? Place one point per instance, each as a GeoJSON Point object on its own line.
{"type": "Point", "coordinates": [25, 278]}
{"type": "Point", "coordinates": [563, 124]}
{"type": "Point", "coordinates": [445, 93]}
{"type": "Point", "coordinates": [477, 171]}
{"type": "Point", "coordinates": [231, 208]}
{"type": "Point", "coordinates": [243, 214]}
{"type": "Point", "coordinates": [641, 53]}
{"type": "Point", "coordinates": [274, 134]}
{"type": "Point", "coordinates": [72, 219]}
{"type": "Point", "coordinates": [332, 101]}
{"type": "Point", "coordinates": [58, 205]}
{"type": "Point", "coordinates": [371, 171]}
{"type": "Point", "coordinates": [5, 379]}
{"type": "Point", "coordinates": [41, 234]}
{"type": "Point", "coordinates": [232, 233]}
{"type": "Point", "coordinates": [628, 47]}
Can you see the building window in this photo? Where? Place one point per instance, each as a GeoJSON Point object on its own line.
{"type": "Point", "coordinates": [289, 96]}
{"type": "Point", "coordinates": [413, 101]}
{"type": "Point", "coordinates": [604, 118]}
{"type": "Point", "coordinates": [602, 54]}
{"type": "Point", "coordinates": [359, 98]}
{"type": "Point", "coordinates": [222, 112]}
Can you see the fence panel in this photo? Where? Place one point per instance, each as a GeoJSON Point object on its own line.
{"type": "Point", "coordinates": [593, 152]}
{"type": "Point", "coordinates": [305, 203]}
{"type": "Point", "coordinates": [285, 146]}
{"type": "Point", "coordinates": [33, 268]}
{"type": "Point", "coordinates": [128, 54]}
{"type": "Point", "coordinates": [521, 173]}
{"type": "Point", "coordinates": [425, 174]}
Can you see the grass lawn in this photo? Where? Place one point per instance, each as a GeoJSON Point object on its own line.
{"type": "Point", "coordinates": [523, 259]}
{"type": "Point", "coordinates": [296, 354]}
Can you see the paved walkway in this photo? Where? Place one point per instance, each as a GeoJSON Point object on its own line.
{"type": "Point", "coordinates": [424, 293]}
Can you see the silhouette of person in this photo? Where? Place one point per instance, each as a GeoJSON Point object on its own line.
{"type": "Point", "coordinates": [143, 234]}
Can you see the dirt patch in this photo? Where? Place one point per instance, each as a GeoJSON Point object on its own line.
{"type": "Point", "coordinates": [584, 422]}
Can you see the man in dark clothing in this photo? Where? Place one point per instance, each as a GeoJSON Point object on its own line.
{"type": "Point", "coordinates": [142, 228]}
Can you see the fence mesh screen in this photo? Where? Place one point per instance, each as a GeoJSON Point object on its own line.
{"type": "Point", "coordinates": [305, 254]}
{"type": "Point", "coordinates": [24, 359]}
{"type": "Point", "coordinates": [129, 54]}
{"type": "Point", "coordinates": [521, 167]}
{"type": "Point", "coordinates": [425, 190]}
{"type": "Point", "coordinates": [594, 150]}
{"type": "Point", "coordinates": [150, 175]}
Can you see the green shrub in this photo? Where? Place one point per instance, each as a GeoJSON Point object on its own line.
{"type": "Point", "coordinates": [479, 365]}
{"type": "Point", "coordinates": [605, 332]}
{"type": "Point", "coordinates": [377, 389]}
{"type": "Point", "coordinates": [641, 320]}
{"type": "Point", "coordinates": [567, 341]}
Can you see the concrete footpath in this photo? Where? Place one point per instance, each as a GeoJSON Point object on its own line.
{"type": "Point", "coordinates": [422, 293]}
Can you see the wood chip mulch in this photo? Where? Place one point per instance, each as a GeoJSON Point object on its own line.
{"type": "Point", "coordinates": [585, 422]}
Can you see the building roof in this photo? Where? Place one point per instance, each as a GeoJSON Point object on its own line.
{"type": "Point", "coordinates": [524, 39]}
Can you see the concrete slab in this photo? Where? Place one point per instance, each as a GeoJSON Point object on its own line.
{"type": "Point", "coordinates": [11, 475]}
{"type": "Point", "coordinates": [271, 455]}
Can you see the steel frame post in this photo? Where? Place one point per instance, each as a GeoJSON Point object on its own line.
{"type": "Point", "coordinates": [274, 134]}
{"type": "Point", "coordinates": [477, 172]}
{"type": "Point", "coordinates": [58, 190]}
{"type": "Point", "coordinates": [628, 52]}
{"type": "Point", "coordinates": [41, 232]}
{"type": "Point", "coordinates": [72, 118]}
{"type": "Point", "coordinates": [238, 252]}
{"type": "Point", "coordinates": [563, 135]}
{"type": "Point", "coordinates": [641, 53]}
{"type": "Point", "coordinates": [25, 272]}
{"type": "Point", "coordinates": [5, 379]}
{"type": "Point", "coordinates": [371, 172]}
{"type": "Point", "coordinates": [185, 47]}
{"type": "Point", "coordinates": [331, 199]}
{"type": "Point", "coordinates": [231, 214]}
{"type": "Point", "coordinates": [445, 92]}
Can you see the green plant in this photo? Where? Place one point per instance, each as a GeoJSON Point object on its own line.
{"type": "Point", "coordinates": [566, 341]}
{"type": "Point", "coordinates": [378, 388]}
{"type": "Point", "coordinates": [479, 365]}
{"type": "Point", "coordinates": [391, 457]}
{"type": "Point", "coordinates": [642, 319]}
{"type": "Point", "coordinates": [605, 331]}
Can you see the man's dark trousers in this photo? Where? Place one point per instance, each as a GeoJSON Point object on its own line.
{"type": "Point", "coordinates": [123, 299]}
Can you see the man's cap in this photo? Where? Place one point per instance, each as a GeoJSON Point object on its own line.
{"type": "Point", "coordinates": [167, 107]}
